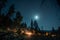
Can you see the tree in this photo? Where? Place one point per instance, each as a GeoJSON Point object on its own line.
{"type": "Point", "coordinates": [24, 25]}
{"type": "Point", "coordinates": [2, 24]}
{"type": "Point", "coordinates": [59, 28]}
{"type": "Point", "coordinates": [7, 20]}
{"type": "Point", "coordinates": [18, 19]}
{"type": "Point", "coordinates": [36, 26]}
{"type": "Point", "coordinates": [2, 4]}
{"type": "Point", "coordinates": [11, 11]}
{"type": "Point", "coordinates": [53, 29]}
{"type": "Point", "coordinates": [32, 27]}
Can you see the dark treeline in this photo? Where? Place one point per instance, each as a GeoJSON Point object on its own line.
{"type": "Point", "coordinates": [7, 22]}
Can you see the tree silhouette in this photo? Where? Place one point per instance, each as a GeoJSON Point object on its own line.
{"type": "Point", "coordinates": [53, 29]}
{"type": "Point", "coordinates": [24, 25]}
{"type": "Point", "coordinates": [2, 4]}
{"type": "Point", "coordinates": [7, 20]}
{"type": "Point", "coordinates": [32, 25]}
{"type": "Point", "coordinates": [11, 10]}
{"type": "Point", "coordinates": [59, 29]}
{"type": "Point", "coordinates": [18, 20]}
{"type": "Point", "coordinates": [2, 24]}
{"type": "Point", "coordinates": [36, 26]}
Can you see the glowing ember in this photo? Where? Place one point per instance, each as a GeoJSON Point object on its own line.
{"type": "Point", "coordinates": [28, 33]}
{"type": "Point", "coordinates": [47, 34]}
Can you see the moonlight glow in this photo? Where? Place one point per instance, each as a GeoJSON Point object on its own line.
{"type": "Point", "coordinates": [36, 17]}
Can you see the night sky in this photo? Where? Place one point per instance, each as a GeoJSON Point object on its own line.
{"type": "Point", "coordinates": [48, 12]}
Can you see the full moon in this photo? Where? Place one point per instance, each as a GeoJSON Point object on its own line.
{"type": "Point", "coordinates": [36, 17]}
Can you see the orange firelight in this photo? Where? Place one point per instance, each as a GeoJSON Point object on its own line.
{"type": "Point", "coordinates": [28, 33]}
{"type": "Point", "coordinates": [47, 34]}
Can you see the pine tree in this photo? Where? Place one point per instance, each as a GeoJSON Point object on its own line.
{"type": "Point", "coordinates": [24, 25]}
{"type": "Point", "coordinates": [59, 28]}
{"type": "Point", "coordinates": [7, 20]}
{"type": "Point", "coordinates": [11, 10]}
{"type": "Point", "coordinates": [53, 29]}
{"type": "Point", "coordinates": [2, 21]}
{"type": "Point", "coordinates": [18, 19]}
{"type": "Point", "coordinates": [2, 4]}
{"type": "Point", "coordinates": [36, 26]}
{"type": "Point", "coordinates": [32, 27]}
